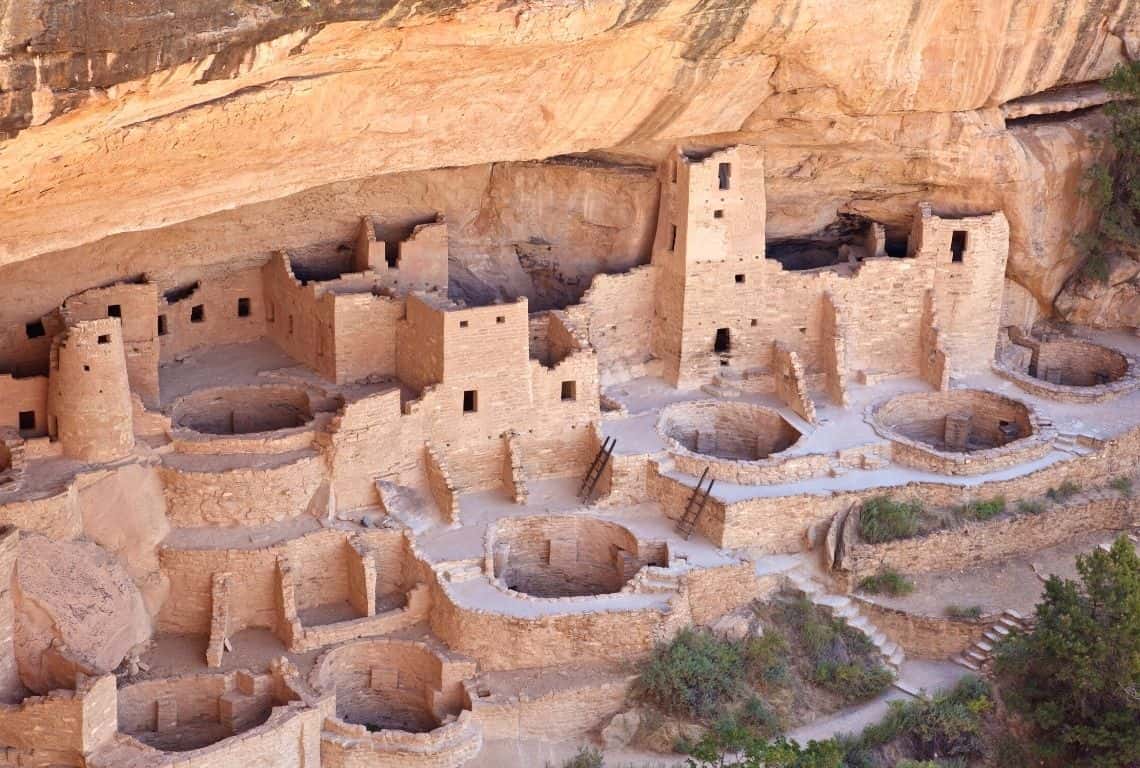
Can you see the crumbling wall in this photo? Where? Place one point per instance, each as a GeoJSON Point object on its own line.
{"type": "Point", "coordinates": [616, 314]}
{"type": "Point", "coordinates": [791, 386]}
{"type": "Point", "coordinates": [64, 725]}
{"type": "Point", "coordinates": [299, 319]}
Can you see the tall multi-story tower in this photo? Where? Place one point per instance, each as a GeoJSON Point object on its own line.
{"type": "Point", "coordinates": [709, 230]}
{"type": "Point", "coordinates": [89, 397]}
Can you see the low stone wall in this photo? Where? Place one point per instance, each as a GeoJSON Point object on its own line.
{"type": "Point", "coordinates": [924, 637]}
{"type": "Point", "coordinates": [63, 725]}
{"type": "Point", "coordinates": [983, 542]}
{"type": "Point", "coordinates": [451, 745]}
{"type": "Point", "coordinates": [199, 493]}
{"type": "Point", "coordinates": [572, 710]}
{"type": "Point", "coordinates": [779, 523]}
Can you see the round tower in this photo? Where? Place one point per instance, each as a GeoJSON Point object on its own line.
{"type": "Point", "coordinates": [89, 409]}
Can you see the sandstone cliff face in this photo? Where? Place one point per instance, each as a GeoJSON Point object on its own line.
{"type": "Point", "coordinates": [126, 119]}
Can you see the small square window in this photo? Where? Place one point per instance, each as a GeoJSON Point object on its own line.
{"type": "Point", "coordinates": [27, 420]}
{"type": "Point", "coordinates": [501, 319]}
{"type": "Point", "coordinates": [569, 390]}
{"type": "Point", "coordinates": [462, 323]}
{"type": "Point", "coordinates": [162, 325]}
{"type": "Point", "coordinates": [35, 329]}
{"type": "Point", "coordinates": [470, 401]}
{"type": "Point", "coordinates": [755, 322]}
{"type": "Point", "coordinates": [243, 307]}
{"type": "Point", "coordinates": [104, 338]}
{"type": "Point", "coordinates": [87, 367]}
{"type": "Point", "coordinates": [114, 310]}
{"type": "Point", "coordinates": [740, 278]}
{"type": "Point", "coordinates": [198, 313]}
{"type": "Point", "coordinates": [718, 214]}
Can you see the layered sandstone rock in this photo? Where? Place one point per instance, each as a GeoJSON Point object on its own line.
{"type": "Point", "coordinates": [77, 611]}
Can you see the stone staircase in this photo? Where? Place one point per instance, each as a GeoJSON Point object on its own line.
{"type": "Point", "coordinates": [1133, 536]}
{"type": "Point", "coordinates": [1070, 443]}
{"type": "Point", "coordinates": [843, 607]}
{"type": "Point", "coordinates": [656, 579]}
{"type": "Point", "coordinates": [979, 656]}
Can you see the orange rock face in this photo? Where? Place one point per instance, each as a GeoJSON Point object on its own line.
{"type": "Point", "coordinates": [176, 115]}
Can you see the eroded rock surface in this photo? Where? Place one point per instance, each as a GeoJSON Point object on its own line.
{"type": "Point", "coordinates": [77, 610]}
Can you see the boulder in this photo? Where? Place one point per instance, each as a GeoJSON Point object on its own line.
{"type": "Point", "coordinates": [621, 729]}
{"type": "Point", "coordinates": [77, 610]}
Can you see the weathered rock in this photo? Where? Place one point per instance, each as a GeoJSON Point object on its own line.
{"type": "Point", "coordinates": [278, 97]}
{"type": "Point", "coordinates": [621, 729]}
{"type": "Point", "coordinates": [1111, 303]}
{"type": "Point", "coordinates": [736, 625]}
{"type": "Point", "coordinates": [77, 610]}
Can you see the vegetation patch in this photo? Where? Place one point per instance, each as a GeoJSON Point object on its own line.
{"type": "Point", "coordinates": [888, 581]}
{"type": "Point", "coordinates": [883, 519]}
{"type": "Point", "coordinates": [1063, 492]}
{"type": "Point", "coordinates": [982, 510]}
{"type": "Point", "coordinates": [963, 611]}
{"type": "Point", "coordinates": [1122, 485]}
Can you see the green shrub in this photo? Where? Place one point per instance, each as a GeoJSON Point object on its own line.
{"type": "Point", "coordinates": [694, 675]}
{"type": "Point", "coordinates": [1122, 484]}
{"type": "Point", "coordinates": [963, 611]}
{"type": "Point", "coordinates": [1095, 267]}
{"type": "Point", "coordinates": [949, 725]}
{"type": "Point", "coordinates": [587, 757]}
{"type": "Point", "coordinates": [888, 582]}
{"type": "Point", "coordinates": [882, 519]}
{"type": "Point", "coordinates": [1030, 507]}
{"type": "Point", "coordinates": [982, 510]}
{"type": "Point", "coordinates": [854, 681]}
{"type": "Point", "coordinates": [1064, 491]}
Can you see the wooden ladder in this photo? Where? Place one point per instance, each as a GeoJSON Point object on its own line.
{"type": "Point", "coordinates": [695, 506]}
{"type": "Point", "coordinates": [586, 490]}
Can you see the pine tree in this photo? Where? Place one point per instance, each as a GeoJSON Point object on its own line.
{"type": "Point", "coordinates": [1076, 675]}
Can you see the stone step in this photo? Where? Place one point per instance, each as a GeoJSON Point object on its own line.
{"type": "Point", "coordinates": [977, 656]}
{"type": "Point", "coordinates": [966, 663]}
{"type": "Point", "coordinates": [897, 658]}
{"type": "Point", "coordinates": [1011, 623]}
{"type": "Point", "coordinates": [984, 646]}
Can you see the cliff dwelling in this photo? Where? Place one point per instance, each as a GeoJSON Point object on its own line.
{"type": "Point", "coordinates": [418, 388]}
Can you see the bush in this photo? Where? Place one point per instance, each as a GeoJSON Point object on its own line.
{"type": "Point", "coordinates": [587, 757]}
{"type": "Point", "coordinates": [982, 510]}
{"type": "Point", "coordinates": [694, 675]}
{"type": "Point", "coordinates": [855, 681]}
{"type": "Point", "coordinates": [1064, 491]}
{"type": "Point", "coordinates": [1030, 507]}
{"type": "Point", "coordinates": [882, 519]}
{"type": "Point", "coordinates": [1123, 485]}
{"type": "Point", "coordinates": [963, 611]}
{"type": "Point", "coordinates": [949, 725]}
{"type": "Point", "coordinates": [887, 581]}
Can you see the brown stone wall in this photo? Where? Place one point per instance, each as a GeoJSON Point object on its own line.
{"type": "Point", "coordinates": [55, 515]}
{"type": "Point", "coordinates": [924, 637]}
{"type": "Point", "coordinates": [713, 592]}
{"type": "Point", "coordinates": [624, 348]}
{"type": "Point", "coordinates": [264, 490]}
{"type": "Point", "coordinates": [300, 319]}
{"type": "Point", "coordinates": [791, 386]}
{"type": "Point", "coordinates": [419, 345]}
{"type": "Point", "coordinates": [24, 394]}
{"type": "Point", "coordinates": [833, 352]}
{"type": "Point", "coordinates": [365, 335]}
{"type": "Point", "coordinates": [371, 440]}
{"type": "Point", "coordinates": [320, 562]}
{"type": "Point", "coordinates": [217, 293]}
{"type": "Point", "coordinates": [137, 306]}
{"type": "Point", "coordinates": [983, 542]}
{"type": "Point", "coordinates": [70, 722]}
{"type": "Point", "coordinates": [573, 710]}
